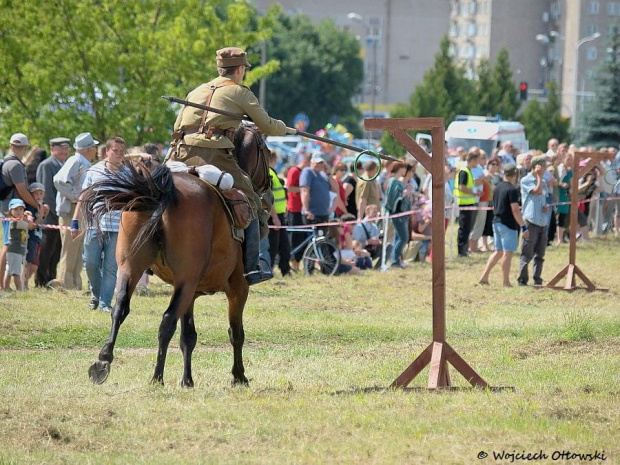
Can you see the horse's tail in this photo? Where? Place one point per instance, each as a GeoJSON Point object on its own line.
{"type": "Point", "coordinates": [134, 190]}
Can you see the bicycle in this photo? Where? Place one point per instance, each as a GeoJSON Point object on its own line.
{"type": "Point", "coordinates": [321, 254]}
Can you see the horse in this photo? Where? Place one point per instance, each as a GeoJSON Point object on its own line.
{"type": "Point", "coordinates": [176, 225]}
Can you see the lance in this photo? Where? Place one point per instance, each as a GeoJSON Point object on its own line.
{"type": "Point", "coordinates": [301, 133]}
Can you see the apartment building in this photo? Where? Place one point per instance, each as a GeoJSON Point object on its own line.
{"type": "Point", "coordinates": [547, 40]}
{"type": "Point", "coordinates": [399, 39]}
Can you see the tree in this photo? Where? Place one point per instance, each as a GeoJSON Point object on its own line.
{"type": "Point", "coordinates": [320, 71]}
{"type": "Point", "coordinates": [504, 88]}
{"type": "Point", "coordinates": [484, 89]}
{"type": "Point", "coordinates": [102, 66]}
{"type": "Point", "coordinates": [544, 122]}
{"type": "Point", "coordinates": [600, 125]}
{"type": "Point", "coordinates": [444, 92]}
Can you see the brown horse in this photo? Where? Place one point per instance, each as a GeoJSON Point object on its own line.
{"type": "Point", "coordinates": [176, 225]}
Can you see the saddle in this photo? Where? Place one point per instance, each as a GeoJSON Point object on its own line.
{"type": "Point", "coordinates": [236, 205]}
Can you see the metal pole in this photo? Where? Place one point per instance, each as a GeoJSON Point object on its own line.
{"type": "Point", "coordinates": [374, 72]}
{"type": "Point", "coordinates": [262, 85]}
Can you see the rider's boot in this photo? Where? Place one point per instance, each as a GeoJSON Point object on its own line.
{"type": "Point", "coordinates": [254, 274]}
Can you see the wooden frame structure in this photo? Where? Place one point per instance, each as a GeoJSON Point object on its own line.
{"type": "Point", "coordinates": [571, 271]}
{"type": "Point", "coordinates": [439, 352]}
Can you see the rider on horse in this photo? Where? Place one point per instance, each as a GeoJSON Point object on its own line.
{"type": "Point", "coordinates": [205, 137]}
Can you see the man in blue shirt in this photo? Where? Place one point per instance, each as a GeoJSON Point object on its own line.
{"type": "Point", "coordinates": [536, 213]}
{"type": "Point", "coordinates": [315, 191]}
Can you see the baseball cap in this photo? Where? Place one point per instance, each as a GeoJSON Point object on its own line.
{"type": "Point", "coordinates": [317, 157]}
{"type": "Point", "coordinates": [510, 169]}
{"type": "Point", "coordinates": [19, 140]}
{"type": "Point", "coordinates": [14, 203]}
{"type": "Point", "coordinates": [36, 186]}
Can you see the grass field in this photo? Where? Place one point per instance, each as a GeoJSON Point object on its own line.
{"type": "Point", "coordinates": [312, 347]}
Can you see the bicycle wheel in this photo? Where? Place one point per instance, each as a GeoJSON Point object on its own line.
{"type": "Point", "coordinates": [321, 256]}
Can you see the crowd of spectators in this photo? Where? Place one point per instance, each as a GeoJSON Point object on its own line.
{"type": "Point", "coordinates": [41, 215]}
{"type": "Point", "coordinates": [380, 219]}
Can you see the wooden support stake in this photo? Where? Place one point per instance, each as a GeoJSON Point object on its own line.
{"type": "Point", "coordinates": [572, 269]}
{"type": "Point", "coordinates": [438, 353]}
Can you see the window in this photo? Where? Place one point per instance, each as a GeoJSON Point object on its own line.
{"type": "Point", "coordinates": [556, 10]}
{"type": "Point", "coordinates": [591, 53]}
{"type": "Point", "coordinates": [483, 29]}
{"type": "Point", "coordinates": [613, 8]}
{"type": "Point", "coordinates": [454, 30]}
{"type": "Point", "coordinates": [592, 28]}
{"type": "Point", "coordinates": [593, 8]}
{"type": "Point", "coordinates": [590, 74]}
{"type": "Point", "coordinates": [483, 7]}
{"type": "Point", "coordinates": [471, 29]}
{"type": "Point", "coordinates": [473, 7]}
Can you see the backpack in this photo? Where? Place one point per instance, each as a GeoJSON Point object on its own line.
{"type": "Point", "coordinates": [5, 189]}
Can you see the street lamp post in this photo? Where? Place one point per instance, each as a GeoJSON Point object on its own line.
{"type": "Point", "coordinates": [582, 41]}
{"type": "Point", "coordinates": [372, 38]}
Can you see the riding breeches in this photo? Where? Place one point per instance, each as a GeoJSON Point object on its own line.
{"type": "Point", "coordinates": [224, 160]}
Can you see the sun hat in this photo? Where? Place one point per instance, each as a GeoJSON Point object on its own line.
{"type": "Point", "coordinates": [84, 141]}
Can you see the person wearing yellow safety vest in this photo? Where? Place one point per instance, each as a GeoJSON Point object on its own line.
{"type": "Point", "coordinates": [278, 236]}
{"type": "Point", "coordinates": [465, 194]}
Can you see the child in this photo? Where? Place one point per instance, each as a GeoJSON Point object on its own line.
{"type": "Point", "coordinates": [18, 227]}
{"type": "Point", "coordinates": [35, 236]}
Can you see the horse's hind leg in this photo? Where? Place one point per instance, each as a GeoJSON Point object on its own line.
{"type": "Point", "coordinates": [188, 342]}
{"type": "Point", "coordinates": [181, 301]}
{"type": "Point", "coordinates": [237, 294]}
{"type": "Point", "coordinates": [130, 270]}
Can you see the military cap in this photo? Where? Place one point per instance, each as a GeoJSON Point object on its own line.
{"type": "Point", "coordinates": [232, 56]}
{"type": "Point", "coordinates": [58, 141]}
{"type": "Point", "coordinates": [539, 160]}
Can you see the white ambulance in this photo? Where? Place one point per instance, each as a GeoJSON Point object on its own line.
{"type": "Point", "coordinates": [485, 132]}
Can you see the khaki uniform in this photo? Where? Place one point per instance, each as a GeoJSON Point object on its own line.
{"type": "Point", "coordinates": [197, 149]}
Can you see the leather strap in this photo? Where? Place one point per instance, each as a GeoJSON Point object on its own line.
{"type": "Point", "coordinates": [212, 88]}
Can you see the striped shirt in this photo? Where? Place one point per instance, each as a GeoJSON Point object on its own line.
{"type": "Point", "coordinates": [109, 222]}
{"type": "Point", "coordinates": [533, 204]}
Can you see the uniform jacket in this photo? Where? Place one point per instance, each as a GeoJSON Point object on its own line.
{"type": "Point", "coordinates": [232, 98]}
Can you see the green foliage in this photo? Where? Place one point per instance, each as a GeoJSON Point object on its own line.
{"type": "Point", "coordinates": [102, 66]}
{"type": "Point", "coordinates": [320, 71]}
{"type": "Point", "coordinates": [544, 121]}
{"type": "Point", "coordinates": [600, 125]}
{"type": "Point", "coordinates": [504, 89]}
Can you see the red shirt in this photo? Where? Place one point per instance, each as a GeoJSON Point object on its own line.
{"type": "Point", "coordinates": [343, 195]}
{"type": "Point", "coordinates": [293, 203]}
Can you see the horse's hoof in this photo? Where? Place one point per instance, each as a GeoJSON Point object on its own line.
{"type": "Point", "coordinates": [99, 371]}
{"type": "Point", "coordinates": [243, 381]}
{"type": "Point", "coordinates": [187, 383]}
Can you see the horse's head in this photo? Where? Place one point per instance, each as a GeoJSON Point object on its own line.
{"type": "Point", "coordinates": [251, 154]}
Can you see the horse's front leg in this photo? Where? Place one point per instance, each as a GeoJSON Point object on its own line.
{"type": "Point", "coordinates": [99, 371]}
{"type": "Point", "coordinates": [237, 296]}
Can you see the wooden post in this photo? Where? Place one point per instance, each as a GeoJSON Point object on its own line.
{"type": "Point", "coordinates": [438, 353]}
{"type": "Point", "coordinates": [572, 270]}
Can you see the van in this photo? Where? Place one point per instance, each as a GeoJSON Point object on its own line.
{"type": "Point", "coordinates": [292, 142]}
{"type": "Point", "coordinates": [484, 132]}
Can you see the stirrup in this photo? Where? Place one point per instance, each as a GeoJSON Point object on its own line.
{"type": "Point", "coordinates": [258, 276]}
